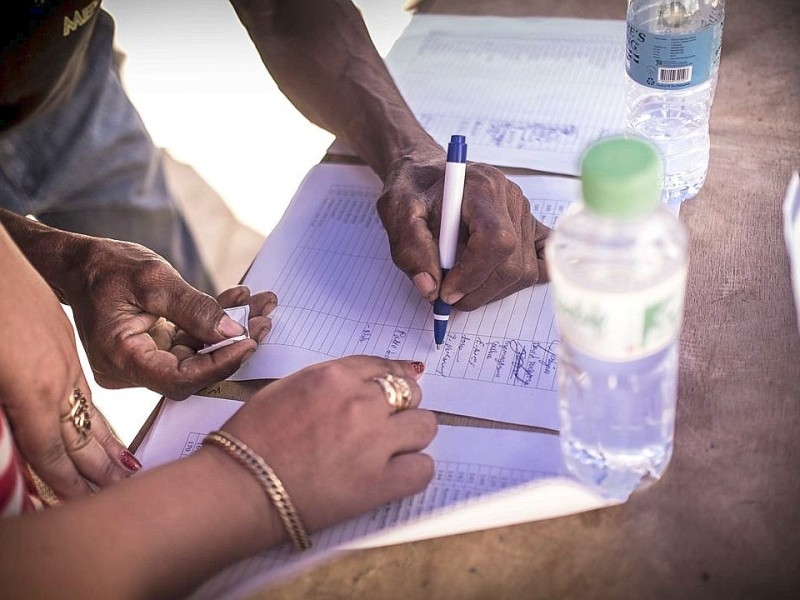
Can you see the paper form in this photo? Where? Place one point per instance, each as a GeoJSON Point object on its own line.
{"type": "Point", "coordinates": [339, 293]}
{"type": "Point", "coordinates": [527, 92]}
{"type": "Point", "coordinates": [484, 478]}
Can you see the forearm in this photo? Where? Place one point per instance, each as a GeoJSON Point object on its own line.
{"type": "Point", "coordinates": [55, 254]}
{"type": "Point", "coordinates": [321, 56]}
{"type": "Point", "coordinates": [156, 535]}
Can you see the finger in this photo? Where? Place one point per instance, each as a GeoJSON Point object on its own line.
{"type": "Point", "coordinates": [235, 296]}
{"type": "Point", "coordinates": [410, 369]}
{"type": "Point", "coordinates": [166, 374]}
{"type": "Point", "coordinates": [535, 266]}
{"type": "Point", "coordinates": [262, 303]}
{"type": "Point", "coordinates": [412, 430]}
{"type": "Point", "coordinates": [413, 246]}
{"type": "Point", "coordinates": [259, 328]}
{"type": "Point", "coordinates": [182, 352]}
{"type": "Point", "coordinates": [187, 341]}
{"type": "Point", "coordinates": [96, 453]}
{"type": "Point", "coordinates": [397, 390]}
{"type": "Point", "coordinates": [193, 311]}
{"type": "Point", "coordinates": [541, 265]}
{"type": "Point", "coordinates": [541, 233]}
{"type": "Point", "coordinates": [163, 333]}
{"type": "Point", "coordinates": [492, 240]}
{"type": "Point", "coordinates": [201, 370]}
{"type": "Point", "coordinates": [41, 445]}
{"type": "Point", "coordinates": [518, 272]}
{"type": "Point", "coordinates": [407, 474]}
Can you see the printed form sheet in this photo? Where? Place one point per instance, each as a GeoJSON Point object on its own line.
{"type": "Point", "coordinates": [484, 478]}
{"type": "Point", "coordinates": [339, 293]}
{"type": "Point", "coordinates": [527, 92]}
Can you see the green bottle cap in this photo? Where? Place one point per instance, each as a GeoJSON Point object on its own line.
{"type": "Point", "coordinates": [621, 177]}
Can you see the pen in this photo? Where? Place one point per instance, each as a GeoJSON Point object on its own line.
{"type": "Point", "coordinates": [454, 172]}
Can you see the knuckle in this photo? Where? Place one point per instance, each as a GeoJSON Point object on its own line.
{"type": "Point", "coordinates": [197, 303]}
{"type": "Point", "coordinates": [150, 270]}
{"type": "Point", "coordinates": [53, 453]}
{"type": "Point", "coordinates": [504, 242]}
{"type": "Point", "coordinates": [327, 376]}
{"type": "Point", "coordinates": [529, 275]}
{"type": "Point", "coordinates": [50, 390]}
{"type": "Point", "coordinates": [511, 272]}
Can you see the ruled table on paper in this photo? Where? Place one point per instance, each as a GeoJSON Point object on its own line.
{"type": "Point", "coordinates": [339, 293]}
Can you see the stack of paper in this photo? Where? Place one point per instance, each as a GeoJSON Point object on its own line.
{"type": "Point", "coordinates": [791, 228]}
{"type": "Point", "coordinates": [527, 92]}
{"type": "Point", "coordinates": [484, 478]}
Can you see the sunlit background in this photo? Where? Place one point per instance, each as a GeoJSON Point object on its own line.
{"type": "Point", "coordinates": [205, 96]}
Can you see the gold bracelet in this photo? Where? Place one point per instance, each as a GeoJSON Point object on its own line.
{"type": "Point", "coordinates": [268, 480]}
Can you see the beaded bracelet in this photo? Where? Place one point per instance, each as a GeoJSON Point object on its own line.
{"type": "Point", "coordinates": [269, 482]}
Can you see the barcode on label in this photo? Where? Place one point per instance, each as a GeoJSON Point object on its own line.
{"type": "Point", "coordinates": [675, 75]}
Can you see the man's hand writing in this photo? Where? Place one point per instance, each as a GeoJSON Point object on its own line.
{"type": "Point", "coordinates": [502, 244]}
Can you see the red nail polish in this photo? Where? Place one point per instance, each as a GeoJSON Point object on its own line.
{"type": "Point", "coordinates": [419, 367]}
{"type": "Point", "coordinates": [130, 461]}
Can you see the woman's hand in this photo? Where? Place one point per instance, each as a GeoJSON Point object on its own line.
{"type": "Point", "coordinates": [335, 442]}
{"type": "Point", "coordinates": [39, 373]}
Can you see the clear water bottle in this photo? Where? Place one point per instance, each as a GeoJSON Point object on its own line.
{"type": "Point", "coordinates": [672, 61]}
{"type": "Point", "coordinates": [617, 264]}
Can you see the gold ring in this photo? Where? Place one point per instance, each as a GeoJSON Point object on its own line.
{"type": "Point", "coordinates": [389, 390]}
{"type": "Point", "coordinates": [397, 391]}
{"type": "Point", "coordinates": [403, 389]}
{"type": "Point", "coordinates": [79, 413]}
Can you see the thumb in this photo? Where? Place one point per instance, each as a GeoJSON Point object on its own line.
{"type": "Point", "coordinates": [198, 314]}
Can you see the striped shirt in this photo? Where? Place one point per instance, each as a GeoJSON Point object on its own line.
{"type": "Point", "coordinates": [14, 494]}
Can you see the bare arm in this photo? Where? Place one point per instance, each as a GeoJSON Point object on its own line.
{"type": "Point", "coordinates": [127, 302]}
{"type": "Point", "coordinates": [151, 536]}
{"type": "Point", "coordinates": [321, 56]}
{"type": "Point", "coordinates": [160, 533]}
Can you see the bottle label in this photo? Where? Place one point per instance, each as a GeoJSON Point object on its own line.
{"type": "Point", "coordinates": [619, 326]}
{"type": "Point", "coordinates": [669, 61]}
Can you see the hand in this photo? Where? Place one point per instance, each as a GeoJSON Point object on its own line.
{"type": "Point", "coordinates": [39, 369]}
{"type": "Point", "coordinates": [502, 243]}
{"type": "Point", "coordinates": [331, 437]}
{"type": "Point", "coordinates": [141, 323]}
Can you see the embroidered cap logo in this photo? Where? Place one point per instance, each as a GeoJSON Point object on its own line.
{"type": "Point", "coordinates": [80, 17]}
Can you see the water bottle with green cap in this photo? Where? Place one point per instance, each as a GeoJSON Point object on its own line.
{"type": "Point", "coordinates": [617, 264]}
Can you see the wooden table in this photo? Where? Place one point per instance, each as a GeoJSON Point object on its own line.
{"type": "Point", "coordinates": [725, 520]}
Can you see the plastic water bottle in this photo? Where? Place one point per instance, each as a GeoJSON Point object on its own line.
{"type": "Point", "coordinates": [672, 61]}
{"type": "Point", "coordinates": [617, 264]}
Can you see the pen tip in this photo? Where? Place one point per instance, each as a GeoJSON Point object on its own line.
{"type": "Point", "coordinates": [438, 346]}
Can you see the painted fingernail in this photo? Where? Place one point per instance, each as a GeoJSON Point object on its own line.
{"type": "Point", "coordinates": [424, 283]}
{"type": "Point", "coordinates": [229, 328]}
{"type": "Point", "coordinates": [130, 461]}
{"type": "Point", "coordinates": [418, 367]}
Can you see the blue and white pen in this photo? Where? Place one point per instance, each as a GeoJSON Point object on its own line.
{"type": "Point", "coordinates": [453, 194]}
